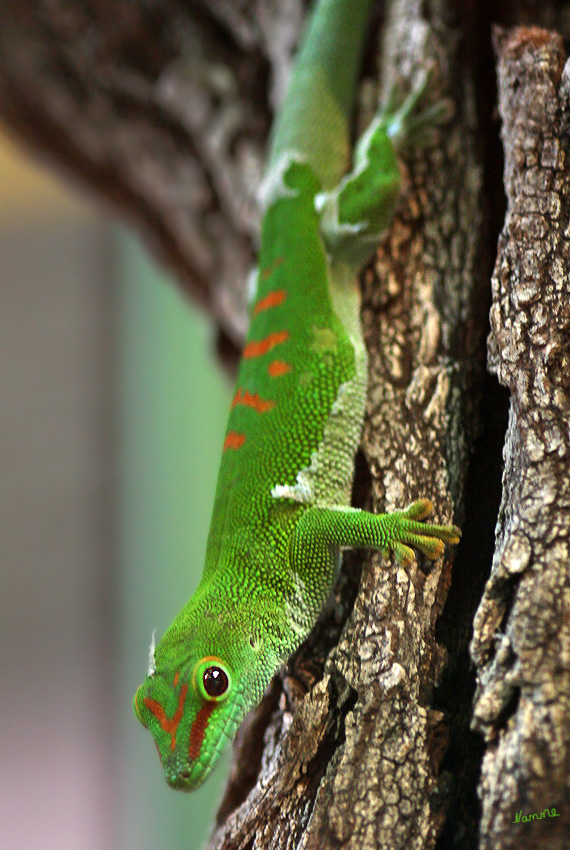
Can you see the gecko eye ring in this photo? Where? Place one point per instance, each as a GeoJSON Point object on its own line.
{"type": "Point", "coordinates": [212, 679]}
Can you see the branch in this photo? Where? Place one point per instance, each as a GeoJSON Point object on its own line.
{"type": "Point", "coordinates": [521, 643]}
{"type": "Point", "coordinates": [158, 109]}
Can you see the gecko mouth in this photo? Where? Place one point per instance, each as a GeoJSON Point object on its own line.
{"type": "Point", "coordinates": [190, 775]}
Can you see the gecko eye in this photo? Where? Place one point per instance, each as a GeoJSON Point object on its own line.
{"type": "Point", "coordinates": [215, 681]}
{"type": "Point", "coordinates": [212, 679]}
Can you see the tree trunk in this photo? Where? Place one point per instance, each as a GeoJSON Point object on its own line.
{"type": "Point", "coordinates": [371, 738]}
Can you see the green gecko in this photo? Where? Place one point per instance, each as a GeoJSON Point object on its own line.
{"type": "Point", "coordinates": [282, 507]}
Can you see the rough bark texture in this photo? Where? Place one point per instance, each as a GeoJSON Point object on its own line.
{"type": "Point", "coordinates": [163, 108]}
{"type": "Point", "coordinates": [521, 643]}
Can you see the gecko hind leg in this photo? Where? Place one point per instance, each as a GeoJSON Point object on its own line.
{"type": "Point", "coordinates": [409, 123]}
{"type": "Point", "coordinates": [359, 210]}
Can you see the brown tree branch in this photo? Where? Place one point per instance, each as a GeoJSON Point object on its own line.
{"type": "Point", "coordinates": [521, 643]}
{"type": "Point", "coordinates": [158, 109]}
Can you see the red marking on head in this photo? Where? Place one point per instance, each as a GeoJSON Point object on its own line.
{"type": "Point", "coordinates": [249, 400]}
{"type": "Point", "coordinates": [274, 299]}
{"type": "Point", "coordinates": [278, 261]}
{"type": "Point", "coordinates": [176, 677]}
{"type": "Point", "coordinates": [277, 368]}
{"type": "Point", "coordinates": [198, 730]}
{"type": "Point", "coordinates": [233, 440]}
{"type": "Point", "coordinates": [169, 724]}
{"type": "Point", "coordinates": [255, 349]}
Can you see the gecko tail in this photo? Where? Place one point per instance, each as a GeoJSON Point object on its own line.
{"type": "Point", "coordinates": [323, 84]}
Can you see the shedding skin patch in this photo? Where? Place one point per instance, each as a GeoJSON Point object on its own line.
{"type": "Point", "coordinates": [169, 724]}
{"type": "Point", "coordinates": [273, 299]}
{"type": "Point", "coordinates": [256, 349]}
{"type": "Point", "coordinates": [248, 400]}
{"type": "Point", "coordinates": [234, 440]}
{"type": "Point", "coordinates": [273, 186]}
{"type": "Point", "coordinates": [303, 490]}
{"type": "Point", "coordinates": [151, 659]}
{"type": "Point", "coordinates": [198, 730]}
{"type": "Point", "coordinates": [277, 368]}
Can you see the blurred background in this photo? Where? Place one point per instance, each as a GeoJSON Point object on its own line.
{"type": "Point", "coordinates": [112, 412]}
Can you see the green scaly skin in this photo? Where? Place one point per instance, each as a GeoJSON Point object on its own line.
{"type": "Point", "coordinates": [282, 507]}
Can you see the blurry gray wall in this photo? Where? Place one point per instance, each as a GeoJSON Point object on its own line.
{"type": "Point", "coordinates": [111, 423]}
{"type": "Point", "coordinates": [56, 510]}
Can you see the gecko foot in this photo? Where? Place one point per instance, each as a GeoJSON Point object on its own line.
{"type": "Point", "coordinates": [411, 123]}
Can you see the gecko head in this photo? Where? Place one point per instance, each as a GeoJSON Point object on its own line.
{"type": "Point", "coordinates": [194, 709]}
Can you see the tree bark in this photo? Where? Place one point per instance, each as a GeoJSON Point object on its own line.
{"type": "Point", "coordinates": [365, 741]}
{"type": "Point", "coordinates": [521, 643]}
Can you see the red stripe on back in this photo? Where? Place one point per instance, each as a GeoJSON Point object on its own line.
{"type": "Point", "coordinates": [198, 730]}
{"type": "Point", "coordinates": [277, 368]}
{"type": "Point", "coordinates": [254, 401]}
{"type": "Point", "coordinates": [256, 349]}
{"type": "Point", "coordinates": [233, 440]}
{"type": "Point", "coordinates": [274, 299]}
